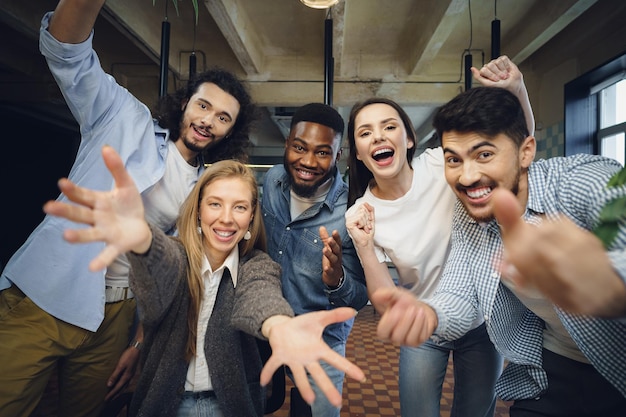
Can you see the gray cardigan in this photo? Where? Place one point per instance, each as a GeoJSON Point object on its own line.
{"type": "Point", "coordinates": [159, 281]}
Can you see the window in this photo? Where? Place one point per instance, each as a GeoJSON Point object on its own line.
{"type": "Point", "coordinates": [595, 111]}
{"type": "Point", "coordinates": [612, 130]}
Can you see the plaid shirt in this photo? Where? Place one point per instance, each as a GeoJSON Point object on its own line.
{"type": "Point", "coordinates": [576, 187]}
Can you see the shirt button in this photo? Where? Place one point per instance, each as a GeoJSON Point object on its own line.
{"type": "Point", "coordinates": [486, 317]}
{"type": "Point", "coordinates": [495, 275]}
{"type": "Point", "coordinates": [314, 240]}
{"type": "Point", "coordinates": [280, 252]}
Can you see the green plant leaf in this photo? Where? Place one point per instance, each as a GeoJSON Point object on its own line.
{"type": "Point", "coordinates": [618, 179]}
{"type": "Point", "coordinates": [193, 2]}
{"type": "Point", "coordinates": [614, 210]}
{"type": "Point", "coordinates": [611, 215]}
{"type": "Point", "coordinates": [195, 8]}
{"type": "Point", "coordinates": [606, 232]}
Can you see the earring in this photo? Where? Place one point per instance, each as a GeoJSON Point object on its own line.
{"type": "Point", "coordinates": [199, 230]}
{"type": "Point", "coordinates": [247, 236]}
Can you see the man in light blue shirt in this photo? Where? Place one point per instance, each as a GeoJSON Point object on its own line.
{"type": "Point", "coordinates": [59, 312]}
{"type": "Point", "coordinates": [559, 364]}
{"type": "Point", "coordinates": [304, 200]}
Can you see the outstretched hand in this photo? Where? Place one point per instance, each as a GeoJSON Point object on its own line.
{"type": "Point", "coordinates": [569, 265]}
{"type": "Point", "coordinates": [115, 217]}
{"type": "Point", "coordinates": [404, 319]}
{"type": "Point", "coordinates": [297, 342]}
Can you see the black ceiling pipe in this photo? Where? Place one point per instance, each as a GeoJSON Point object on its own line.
{"type": "Point", "coordinates": [468, 71]}
{"type": "Point", "coordinates": [165, 54]}
{"type": "Point", "coordinates": [192, 65]}
{"type": "Point", "coordinates": [495, 38]}
{"type": "Point", "coordinates": [328, 62]}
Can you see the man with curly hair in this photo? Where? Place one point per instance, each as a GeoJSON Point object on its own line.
{"type": "Point", "coordinates": [83, 325]}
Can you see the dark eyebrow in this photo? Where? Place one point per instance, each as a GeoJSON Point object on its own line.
{"type": "Point", "coordinates": [305, 144]}
{"type": "Point", "coordinates": [369, 125]}
{"type": "Point", "coordinates": [209, 104]}
{"type": "Point", "coordinates": [477, 146]}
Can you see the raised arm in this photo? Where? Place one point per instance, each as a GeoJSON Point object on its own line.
{"type": "Point", "coordinates": [502, 72]}
{"type": "Point", "coordinates": [73, 19]}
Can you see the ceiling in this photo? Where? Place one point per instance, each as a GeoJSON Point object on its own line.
{"type": "Point", "coordinates": [409, 50]}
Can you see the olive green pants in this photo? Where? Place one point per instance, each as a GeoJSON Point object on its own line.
{"type": "Point", "coordinates": [33, 343]}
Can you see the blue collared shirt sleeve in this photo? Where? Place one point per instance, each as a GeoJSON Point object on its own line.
{"type": "Point", "coordinates": [352, 292]}
{"type": "Point", "coordinates": [51, 271]}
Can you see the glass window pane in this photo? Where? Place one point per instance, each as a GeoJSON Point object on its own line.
{"type": "Point", "coordinates": [614, 147]}
{"type": "Point", "coordinates": [613, 104]}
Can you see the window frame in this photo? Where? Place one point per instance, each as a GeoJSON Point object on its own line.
{"type": "Point", "coordinates": [582, 109]}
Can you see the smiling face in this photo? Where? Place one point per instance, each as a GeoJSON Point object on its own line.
{"type": "Point", "coordinates": [476, 165]}
{"type": "Point", "coordinates": [381, 141]}
{"type": "Point", "coordinates": [208, 117]}
{"type": "Point", "coordinates": [311, 154]}
{"type": "Point", "coordinates": [226, 211]}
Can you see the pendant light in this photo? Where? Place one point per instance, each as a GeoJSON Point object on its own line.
{"type": "Point", "coordinates": [319, 4]}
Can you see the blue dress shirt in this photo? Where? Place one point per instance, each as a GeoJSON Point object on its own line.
{"type": "Point", "coordinates": [49, 270]}
{"type": "Point", "coordinates": [576, 187]}
{"type": "Point", "coordinates": [296, 245]}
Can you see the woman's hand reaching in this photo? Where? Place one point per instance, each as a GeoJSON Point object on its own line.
{"type": "Point", "coordinates": [115, 217]}
{"type": "Point", "coordinates": [297, 342]}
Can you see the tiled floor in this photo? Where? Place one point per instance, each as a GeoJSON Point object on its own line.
{"type": "Point", "coordinates": [378, 396]}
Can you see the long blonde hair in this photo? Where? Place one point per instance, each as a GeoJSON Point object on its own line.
{"type": "Point", "coordinates": [187, 225]}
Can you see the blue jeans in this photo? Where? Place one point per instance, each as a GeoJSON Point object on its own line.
{"type": "Point", "coordinates": [198, 405]}
{"type": "Point", "coordinates": [477, 366]}
{"type": "Point", "coordinates": [321, 407]}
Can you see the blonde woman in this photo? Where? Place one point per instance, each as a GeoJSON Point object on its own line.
{"type": "Point", "coordinates": [205, 297]}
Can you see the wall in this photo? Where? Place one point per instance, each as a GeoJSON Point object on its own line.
{"type": "Point", "coordinates": [591, 40]}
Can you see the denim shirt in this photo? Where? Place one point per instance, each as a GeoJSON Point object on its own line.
{"type": "Point", "coordinates": [296, 245]}
{"type": "Point", "coordinates": [53, 273]}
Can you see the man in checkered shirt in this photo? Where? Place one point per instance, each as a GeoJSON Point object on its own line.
{"type": "Point", "coordinates": [559, 363]}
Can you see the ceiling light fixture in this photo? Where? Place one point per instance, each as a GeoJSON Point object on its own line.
{"type": "Point", "coordinates": [319, 4]}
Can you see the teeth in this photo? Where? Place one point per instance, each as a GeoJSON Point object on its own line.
{"type": "Point", "coordinates": [480, 192]}
{"type": "Point", "coordinates": [382, 154]}
{"type": "Point", "coordinates": [201, 131]}
{"type": "Point", "coordinates": [381, 151]}
{"type": "Point", "coordinates": [305, 173]}
{"type": "Point", "coordinates": [224, 234]}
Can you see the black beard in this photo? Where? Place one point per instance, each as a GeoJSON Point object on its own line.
{"type": "Point", "coordinates": [307, 191]}
{"type": "Point", "coordinates": [193, 147]}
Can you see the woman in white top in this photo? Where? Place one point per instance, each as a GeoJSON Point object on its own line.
{"type": "Point", "coordinates": [400, 210]}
